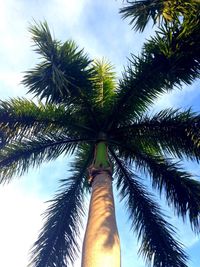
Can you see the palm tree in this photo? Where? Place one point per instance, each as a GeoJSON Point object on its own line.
{"type": "Point", "coordinates": [84, 111]}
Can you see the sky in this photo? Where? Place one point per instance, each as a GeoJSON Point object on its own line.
{"type": "Point", "coordinates": [97, 27]}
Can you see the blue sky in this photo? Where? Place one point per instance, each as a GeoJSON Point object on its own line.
{"type": "Point", "coordinates": [96, 26]}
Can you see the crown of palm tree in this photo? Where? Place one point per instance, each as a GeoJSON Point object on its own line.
{"type": "Point", "coordinates": [82, 103]}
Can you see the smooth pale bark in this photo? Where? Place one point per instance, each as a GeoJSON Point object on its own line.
{"type": "Point", "coordinates": [101, 246]}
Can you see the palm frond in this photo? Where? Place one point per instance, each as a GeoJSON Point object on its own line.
{"type": "Point", "coordinates": [142, 12]}
{"type": "Point", "coordinates": [181, 191]}
{"type": "Point", "coordinates": [21, 117]}
{"type": "Point", "coordinates": [63, 72]}
{"type": "Point", "coordinates": [45, 45]}
{"type": "Point", "coordinates": [166, 61]}
{"type": "Point", "coordinates": [172, 131]}
{"type": "Point", "coordinates": [158, 246]}
{"type": "Point", "coordinates": [18, 157]}
{"type": "Point", "coordinates": [179, 50]}
{"type": "Point", "coordinates": [57, 244]}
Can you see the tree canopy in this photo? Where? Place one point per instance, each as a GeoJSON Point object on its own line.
{"type": "Point", "coordinates": [77, 102]}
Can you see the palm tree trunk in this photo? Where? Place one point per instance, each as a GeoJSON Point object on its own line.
{"type": "Point", "coordinates": [101, 246]}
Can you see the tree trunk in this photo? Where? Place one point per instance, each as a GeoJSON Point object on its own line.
{"type": "Point", "coordinates": [101, 246]}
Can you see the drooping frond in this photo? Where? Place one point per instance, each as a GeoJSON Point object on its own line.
{"type": "Point", "coordinates": [140, 12]}
{"type": "Point", "coordinates": [158, 246]}
{"type": "Point", "coordinates": [57, 244]}
{"type": "Point", "coordinates": [181, 191]}
{"type": "Point", "coordinates": [21, 118]}
{"type": "Point", "coordinates": [166, 61]}
{"type": "Point", "coordinates": [63, 74]}
{"type": "Point", "coordinates": [170, 131]}
{"type": "Point", "coordinates": [17, 157]}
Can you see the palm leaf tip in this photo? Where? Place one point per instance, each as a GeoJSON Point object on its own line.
{"type": "Point", "coordinates": [42, 38]}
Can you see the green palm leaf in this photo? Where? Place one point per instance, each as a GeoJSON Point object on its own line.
{"type": "Point", "coordinates": [21, 118]}
{"type": "Point", "coordinates": [140, 12]}
{"type": "Point", "coordinates": [169, 131]}
{"type": "Point", "coordinates": [63, 72]}
{"type": "Point", "coordinates": [181, 191]}
{"type": "Point", "coordinates": [17, 157]}
{"type": "Point", "coordinates": [166, 61]}
{"type": "Point", "coordinates": [103, 81]}
{"type": "Point", "coordinates": [159, 11]}
{"type": "Point", "coordinates": [158, 246]}
{"type": "Point", "coordinates": [57, 243]}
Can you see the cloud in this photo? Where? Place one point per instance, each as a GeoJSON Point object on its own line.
{"type": "Point", "coordinates": [21, 207]}
{"type": "Point", "coordinates": [10, 84]}
{"type": "Point", "coordinates": [19, 225]}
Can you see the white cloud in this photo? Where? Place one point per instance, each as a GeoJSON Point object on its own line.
{"type": "Point", "coordinates": [20, 210]}
{"type": "Point", "coordinates": [14, 41]}
{"type": "Point", "coordinates": [19, 225]}
{"type": "Point", "coordinates": [10, 84]}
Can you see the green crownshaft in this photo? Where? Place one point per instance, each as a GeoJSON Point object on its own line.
{"type": "Point", "coordinates": [101, 155]}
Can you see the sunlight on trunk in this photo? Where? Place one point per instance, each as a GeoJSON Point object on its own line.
{"type": "Point", "coordinates": [101, 247]}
